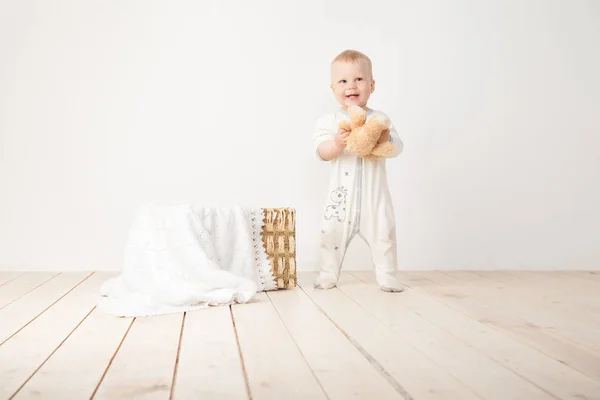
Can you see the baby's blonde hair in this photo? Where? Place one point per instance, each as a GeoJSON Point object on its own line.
{"type": "Point", "coordinates": [353, 56]}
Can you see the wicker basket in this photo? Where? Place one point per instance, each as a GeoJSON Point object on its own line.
{"type": "Point", "coordinates": [279, 239]}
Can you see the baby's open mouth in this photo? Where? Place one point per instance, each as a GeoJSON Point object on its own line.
{"type": "Point", "coordinates": [352, 96]}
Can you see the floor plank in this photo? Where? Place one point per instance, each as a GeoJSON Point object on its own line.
{"type": "Point", "coordinates": [540, 338]}
{"type": "Point", "coordinates": [485, 376]}
{"type": "Point", "coordinates": [570, 288]}
{"type": "Point", "coordinates": [209, 361]}
{"type": "Point", "coordinates": [532, 365]}
{"type": "Point", "coordinates": [590, 275]}
{"type": "Point", "coordinates": [560, 325]}
{"type": "Point", "coordinates": [561, 298]}
{"type": "Point", "coordinates": [55, 380]}
{"type": "Point", "coordinates": [270, 355]}
{"type": "Point", "coordinates": [8, 276]}
{"type": "Point", "coordinates": [143, 367]}
{"type": "Point", "coordinates": [20, 286]}
{"type": "Point", "coordinates": [18, 314]}
{"type": "Point", "coordinates": [326, 348]}
{"type": "Point", "coordinates": [25, 352]}
{"type": "Point", "coordinates": [568, 297]}
{"type": "Point", "coordinates": [414, 373]}
{"type": "Point", "coordinates": [451, 335]}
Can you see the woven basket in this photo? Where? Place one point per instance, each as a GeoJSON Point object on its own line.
{"type": "Point", "coordinates": [279, 240]}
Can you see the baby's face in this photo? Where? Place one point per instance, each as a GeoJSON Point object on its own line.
{"type": "Point", "coordinates": [352, 83]}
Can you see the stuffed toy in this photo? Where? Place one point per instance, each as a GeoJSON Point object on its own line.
{"type": "Point", "coordinates": [364, 135]}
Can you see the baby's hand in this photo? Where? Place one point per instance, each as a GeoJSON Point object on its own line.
{"type": "Point", "coordinates": [341, 137]}
{"type": "Point", "coordinates": [385, 136]}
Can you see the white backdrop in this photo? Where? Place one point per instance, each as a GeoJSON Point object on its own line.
{"type": "Point", "coordinates": [105, 105]}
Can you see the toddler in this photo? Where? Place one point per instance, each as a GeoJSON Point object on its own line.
{"type": "Point", "coordinates": [358, 199]}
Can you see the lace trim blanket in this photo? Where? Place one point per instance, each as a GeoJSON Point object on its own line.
{"type": "Point", "coordinates": [181, 258]}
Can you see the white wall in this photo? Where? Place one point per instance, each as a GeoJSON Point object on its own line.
{"type": "Point", "coordinates": [105, 105]}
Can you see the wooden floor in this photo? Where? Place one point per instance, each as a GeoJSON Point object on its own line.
{"type": "Point", "coordinates": [450, 335]}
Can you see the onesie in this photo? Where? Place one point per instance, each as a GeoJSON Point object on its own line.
{"type": "Point", "coordinates": [358, 202]}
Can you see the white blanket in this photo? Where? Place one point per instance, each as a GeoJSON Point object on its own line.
{"type": "Point", "coordinates": [181, 258]}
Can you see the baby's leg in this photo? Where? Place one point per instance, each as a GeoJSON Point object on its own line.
{"type": "Point", "coordinates": [334, 241]}
{"type": "Point", "coordinates": [379, 231]}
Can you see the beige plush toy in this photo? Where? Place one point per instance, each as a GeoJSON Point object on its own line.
{"type": "Point", "coordinates": [363, 137]}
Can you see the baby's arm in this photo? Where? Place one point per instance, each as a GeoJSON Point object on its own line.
{"type": "Point", "coordinates": [329, 144]}
{"type": "Point", "coordinates": [392, 136]}
{"type": "Point", "coordinates": [329, 150]}
{"type": "Point", "coordinates": [396, 141]}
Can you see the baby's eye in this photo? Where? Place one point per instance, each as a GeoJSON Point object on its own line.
{"type": "Point", "coordinates": [359, 79]}
{"type": "Point", "coordinates": [343, 81]}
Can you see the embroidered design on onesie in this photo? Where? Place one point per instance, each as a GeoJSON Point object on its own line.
{"type": "Point", "coordinates": [337, 210]}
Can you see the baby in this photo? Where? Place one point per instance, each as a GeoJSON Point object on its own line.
{"type": "Point", "coordinates": [358, 199]}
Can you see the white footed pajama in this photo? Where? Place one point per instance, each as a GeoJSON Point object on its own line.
{"type": "Point", "coordinates": [358, 203]}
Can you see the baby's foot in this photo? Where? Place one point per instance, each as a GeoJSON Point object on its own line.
{"type": "Point", "coordinates": [388, 282]}
{"type": "Point", "coordinates": [325, 281]}
{"type": "Point", "coordinates": [325, 285]}
{"type": "Point", "coordinates": [392, 289]}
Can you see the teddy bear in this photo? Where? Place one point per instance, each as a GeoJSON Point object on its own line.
{"type": "Point", "coordinates": [364, 135]}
